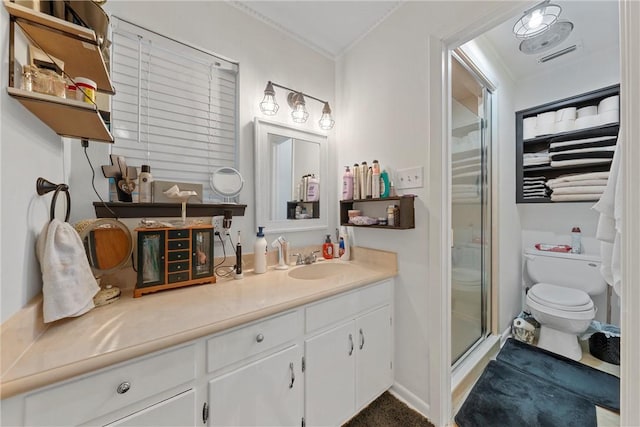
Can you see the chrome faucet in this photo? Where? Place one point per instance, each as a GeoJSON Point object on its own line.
{"type": "Point", "coordinates": [305, 259]}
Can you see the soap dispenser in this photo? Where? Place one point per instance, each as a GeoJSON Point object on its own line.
{"type": "Point", "coordinates": [260, 253]}
{"type": "Point", "coordinates": [327, 248]}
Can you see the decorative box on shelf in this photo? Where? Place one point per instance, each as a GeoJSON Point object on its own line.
{"type": "Point", "coordinates": [173, 257]}
{"type": "Point", "coordinates": [405, 208]}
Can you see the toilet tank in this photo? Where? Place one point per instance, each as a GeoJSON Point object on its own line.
{"type": "Point", "coordinates": [578, 271]}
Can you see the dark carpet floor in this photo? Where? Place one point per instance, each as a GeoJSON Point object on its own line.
{"type": "Point", "coordinates": [387, 411]}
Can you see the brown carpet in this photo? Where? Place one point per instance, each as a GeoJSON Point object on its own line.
{"type": "Point", "coordinates": [387, 411]}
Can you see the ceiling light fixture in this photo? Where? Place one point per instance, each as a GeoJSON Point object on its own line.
{"type": "Point", "coordinates": [297, 102]}
{"type": "Point", "coordinates": [537, 20]}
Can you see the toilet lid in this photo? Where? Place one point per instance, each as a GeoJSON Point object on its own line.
{"type": "Point", "coordinates": [561, 298]}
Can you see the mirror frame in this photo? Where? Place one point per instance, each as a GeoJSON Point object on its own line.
{"type": "Point", "coordinates": [264, 177]}
{"type": "Point", "coordinates": [85, 227]}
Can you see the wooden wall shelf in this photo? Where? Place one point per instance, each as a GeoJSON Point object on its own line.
{"type": "Point", "coordinates": [405, 206]}
{"type": "Point", "coordinates": [163, 210]}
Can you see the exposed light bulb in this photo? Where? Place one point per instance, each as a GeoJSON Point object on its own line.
{"type": "Point", "coordinates": [269, 106]}
{"type": "Point", "coordinates": [537, 16]}
{"type": "Point", "coordinates": [300, 114]}
{"type": "Point", "coordinates": [326, 121]}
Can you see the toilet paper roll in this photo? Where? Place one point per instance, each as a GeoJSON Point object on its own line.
{"type": "Point", "coordinates": [564, 114]}
{"type": "Point", "coordinates": [523, 324]}
{"type": "Point", "coordinates": [564, 126]}
{"type": "Point", "coordinates": [609, 104]}
{"type": "Point", "coordinates": [529, 127]}
{"type": "Point", "coordinates": [544, 128]}
{"type": "Point", "coordinates": [548, 117]}
{"type": "Point", "coordinates": [611, 116]}
{"type": "Point", "coordinates": [590, 110]}
{"type": "Point", "coordinates": [586, 122]}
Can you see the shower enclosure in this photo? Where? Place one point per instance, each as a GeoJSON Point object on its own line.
{"type": "Point", "coordinates": [470, 207]}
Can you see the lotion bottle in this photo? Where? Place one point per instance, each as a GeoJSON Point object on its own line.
{"type": "Point", "coordinates": [144, 184]}
{"type": "Point", "coordinates": [375, 180]}
{"type": "Point", "coordinates": [260, 253]}
{"type": "Point", "coordinates": [347, 184]}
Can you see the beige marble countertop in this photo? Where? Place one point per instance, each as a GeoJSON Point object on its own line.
{"type": "Point", "coordinates": [35, 355]}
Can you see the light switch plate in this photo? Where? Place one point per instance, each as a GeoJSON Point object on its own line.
{"type": "Point", "coordinates": [409, 178]}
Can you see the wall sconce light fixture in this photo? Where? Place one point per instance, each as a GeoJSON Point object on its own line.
{"type": "Point", "coordinates": [537, 20]}
{"type": "Point", "coordinates": [296, 101]}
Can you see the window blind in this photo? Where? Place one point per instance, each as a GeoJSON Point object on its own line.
{"type": "Point", "coordinates": [175, 106]}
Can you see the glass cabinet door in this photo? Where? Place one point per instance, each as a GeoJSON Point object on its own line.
{"type": "Point", "coordinates": [151, 258]}
{"type": "Point", "coordinates": [202, 253]}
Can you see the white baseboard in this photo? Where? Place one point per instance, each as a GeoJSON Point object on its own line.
{"type": "Point", "coordinates": [410, 399]}
{"type": "Point", "coordinates": [504, 335]}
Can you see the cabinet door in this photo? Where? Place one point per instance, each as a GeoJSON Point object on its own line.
{"type": "Point", "coordinates": [151, 258]}
{"type": "Point", "coordinates": [178, 410]}
{"type": "Point", "coordinates": [267, 392]}
{"type": "Point", "coordinates": [373, 362]}
{"type": "Point", "coordinates": [202, 253]}
{"type": "Point", "coordinates": [330, 376]}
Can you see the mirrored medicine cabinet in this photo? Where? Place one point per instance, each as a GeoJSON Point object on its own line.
{"type": "Point", "coordinates": [283, 156]}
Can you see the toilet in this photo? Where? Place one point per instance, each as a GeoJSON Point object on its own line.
{"type": "Point", "coordinates": [560, 297]}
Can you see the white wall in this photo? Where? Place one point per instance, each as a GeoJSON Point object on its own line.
{"type": "Point", "coordinates": [385, 114]}
{"type": "Point", "coordinates": [29, 149]}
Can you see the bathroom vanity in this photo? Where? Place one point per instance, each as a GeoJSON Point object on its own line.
{"type": "Point", "coordinates": [271, 349]}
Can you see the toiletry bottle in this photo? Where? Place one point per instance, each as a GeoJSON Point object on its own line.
{"type": "Point", "coordinates": [363, 180]}
{"type": "Point", "coordinates": [347, 184]}
{"type": "Point", "coordinates": [356, 182]}
{"type": "Point", "coordinates": [260, 253]}
{"type": "Point", "coordinates": [144, 184]}
{"type": "Point", "coordinates": [336, 245]}
{"type": "Point", "coordinates": [375, 180]}
{"type": "Point", "coordinates": [576, 240]}
{"type": "Point", "coordinates": [313, 189]}
{"type": "Point", "coordinates": [384, 184]}
{"type": "Point", "coordinates": [327, 248]}
{"type": "Point", "coordinates": [392, 189]}
{"type": "Point", "coordinates": [369, 180]}
{"type": "Point", "coordinates": [345, 252]}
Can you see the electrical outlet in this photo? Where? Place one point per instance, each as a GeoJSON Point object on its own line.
{"type": "Point", "coordinates": [216, 221]}
{"type": "Point", "coordinates": [409, 178]}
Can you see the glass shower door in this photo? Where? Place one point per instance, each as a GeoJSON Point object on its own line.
{"type": "Point", "coordinates": [470, 209]}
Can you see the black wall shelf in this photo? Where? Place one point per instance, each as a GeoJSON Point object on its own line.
{"type": "Point", "coordinates": [405, 205]}
{"type": "Point", "coordinates": [161, 210]}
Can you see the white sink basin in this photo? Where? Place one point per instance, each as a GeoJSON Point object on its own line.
{"type": "Point", "coordinates": [318, 271]}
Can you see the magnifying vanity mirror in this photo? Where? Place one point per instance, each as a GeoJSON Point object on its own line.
{"type": "Point", "coordinates": [108, 245]}
{"type": "Point", "coordinates": [290, 166]}
{"type": "Point", "coordinates": [227, 182]}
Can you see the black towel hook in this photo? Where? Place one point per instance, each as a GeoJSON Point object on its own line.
{"type": "Point", "coordinates": [43, 187]}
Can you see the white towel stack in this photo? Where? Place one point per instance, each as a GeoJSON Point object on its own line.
{"type": "Point", "coordinates": [587, 151]}
{"type": "Point", "coordinates": [535, 187]}
{"type": "Point", "coordinates": [465, 193]}
{"type": "Point", "coordinates": [536, 159]}
{"type": "Point", "coordinates": [578, 187]}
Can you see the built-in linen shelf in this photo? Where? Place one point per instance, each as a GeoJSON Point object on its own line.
{"type": "Point", "coordinates": [610, 129]}
{"type": "Point", "coordinates": [162, 210]}
{"type": "Point", "coordinates": [75, 45]}
{"type": "Point", "coordinates": [66, 117]}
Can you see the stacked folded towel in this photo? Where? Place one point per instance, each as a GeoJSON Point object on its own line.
{"type": "Point", "coordinates": [536, 159]}
{"type": "Point", "coordinates": [465, 193]}
{"type": "Point", "coordinates": [535, 187]}
{"type": "Point", "coordinates": [466, 164]}
{"type": "Point", "coordinates": [578, 187]}
{"type": "Point", "coordinates": [587, 151]}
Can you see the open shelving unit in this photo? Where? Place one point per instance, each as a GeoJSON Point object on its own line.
{"type": "Point", "coordinates": [543, 141]}
{"type": "Point", "coordinates": [405, 205]}
{"type": "Point", "coordinates": [78, 48]}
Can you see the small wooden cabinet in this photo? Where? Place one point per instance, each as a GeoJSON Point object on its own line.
{"type": "Point", "coordinates": [172, 258]}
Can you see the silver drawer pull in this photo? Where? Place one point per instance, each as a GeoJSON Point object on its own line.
{"type": "Point", "coordinates": [361, 339]}
{"type": "Point", "coordinates": [351, 343]}
{"type": "Point", "coordinates": [260, 338]}
{"type": "Point", "coordinates": [123, 387]}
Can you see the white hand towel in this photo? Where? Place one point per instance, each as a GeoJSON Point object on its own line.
{"type": "Point", "coordinates": [68, 285]}
{"type": "Point", "coordinates": [610, 226]}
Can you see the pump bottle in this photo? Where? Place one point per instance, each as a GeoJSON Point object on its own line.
{"type": "Point", "coordinates": [260, 253]}
{"type": "Point", "coordinates": [144, 184]}
{"type": "Point", "coordinates": [576, 240]}
{"type": "Point", "coordinates": [327, 248]}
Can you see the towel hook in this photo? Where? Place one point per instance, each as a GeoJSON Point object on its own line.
{"type": "Point", "coordinates": [43, 187]}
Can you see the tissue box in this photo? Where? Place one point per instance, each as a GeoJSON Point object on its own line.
{"type": "Point", "coordinates": [159, 187]}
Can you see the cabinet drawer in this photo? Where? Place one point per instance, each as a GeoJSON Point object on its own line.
{"type": "Point", "coordinates": [178, 234]}
{"type": "Point", "coordinates": [178, 266]}
{"type": "Point", "coordinates": [92, 396]}
{"type": "Point", "coordinates": [178, 255]}
{"type": "Point", "coordinates": [343, 307]}
{"type": "Point", "coordinates": [178, 277]}
{"type": "Point", "coordinates": [234, 346]}
{"type": "Point", "coordinates": [178, 244]}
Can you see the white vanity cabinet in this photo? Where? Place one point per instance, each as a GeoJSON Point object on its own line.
{"type": "Point", "coordinates": [349, 364]}
{"type": "Point", "coordinates": [177, 410]}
